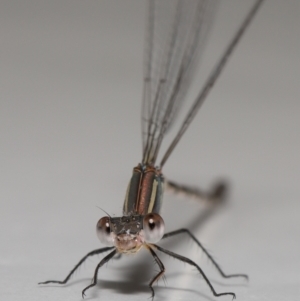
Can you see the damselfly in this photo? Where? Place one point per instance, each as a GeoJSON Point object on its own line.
{"type": "Point", "coordinates": [176, 33]}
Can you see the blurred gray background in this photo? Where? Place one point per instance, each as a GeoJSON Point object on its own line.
{"type": "Point", "coordinates": [70, 93]}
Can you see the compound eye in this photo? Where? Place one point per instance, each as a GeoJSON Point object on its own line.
{"type": "Point", "coordinates": [154, 227]}
{"type": "Point", "coordinates": [103, 231]}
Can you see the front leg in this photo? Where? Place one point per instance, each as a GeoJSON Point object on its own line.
{"type": "Point", "coordinates": [160, 274]}
{"type": "Point", "coordinates": [101, 263]}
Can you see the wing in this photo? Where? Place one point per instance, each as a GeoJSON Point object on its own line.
{"type": "Point", "coordinates": [176, 34]}
{"type": "Point", "coordinates": [175, 37]}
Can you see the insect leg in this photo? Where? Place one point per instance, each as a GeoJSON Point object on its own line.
{"type": "Point", "coordinates": [188, 261]}
{"type": "Point", "coordinates": [95, 252]}
{"type": "Point", "coordinates": [186, 231]}
{"type": "Point", "coordinates": [100, 264]}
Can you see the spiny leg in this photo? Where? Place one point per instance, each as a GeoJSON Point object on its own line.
{"type": "Point", "coordinates": [217, 194]}
{"type": "Point", "coordinates": [100, 264]}
{"type": "Point", "coordinates": [161, 266]}
{"type": "Point", "coordinates": [186, 231]}
{"type": "Point", "coordinates": [187, 260]}
{"type": "Point", "coordinates": [95, 252]}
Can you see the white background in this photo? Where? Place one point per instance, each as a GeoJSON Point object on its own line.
{"type": "Point", "coordinates": [70, 91]}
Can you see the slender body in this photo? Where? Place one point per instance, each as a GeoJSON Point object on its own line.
{"type": "Point", "coordinates": [145, 191]}
{"type": "Point", "coordinates": [168, 72]}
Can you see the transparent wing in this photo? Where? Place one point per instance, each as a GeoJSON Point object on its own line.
{"type": "Point", "coordinates": [215, 73]}
{"type": "Point", "coordinates": [176, 33]}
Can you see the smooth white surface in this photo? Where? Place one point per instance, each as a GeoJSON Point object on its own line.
{"type": "Point", "coordinates": [71, 84]}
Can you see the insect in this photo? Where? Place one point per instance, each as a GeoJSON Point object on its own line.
{"type": "Point", "coordinates": [169, 64]}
